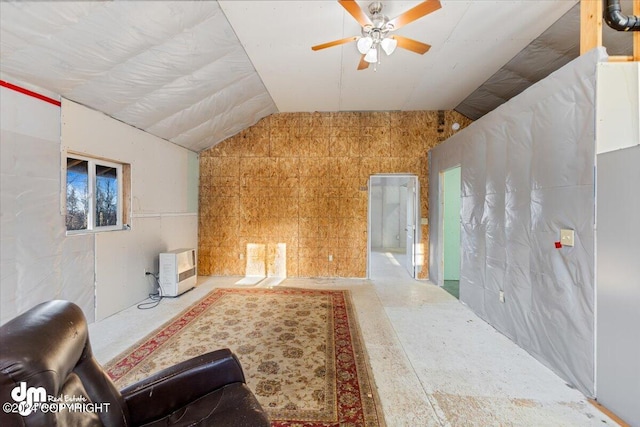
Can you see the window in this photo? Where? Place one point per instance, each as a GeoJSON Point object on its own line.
{"type": "Point", "coordinates": [94, 194]}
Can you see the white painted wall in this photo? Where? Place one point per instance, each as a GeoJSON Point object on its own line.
{"type": "Point", "coordinates": [618, 240]}
{"type": "Point", "coordinates": [164, 186]}
{"type": "Point", "coordinates": [618, 111]}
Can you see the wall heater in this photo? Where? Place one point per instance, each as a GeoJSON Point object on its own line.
{"type": "Point", "coordinates": [177, 272]}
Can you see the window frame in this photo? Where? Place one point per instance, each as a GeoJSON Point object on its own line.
{"type": "Point", "coordinates": [92, 163]}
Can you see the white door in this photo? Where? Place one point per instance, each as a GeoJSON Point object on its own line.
{"type": "Point", "coordinates": [413, 205]}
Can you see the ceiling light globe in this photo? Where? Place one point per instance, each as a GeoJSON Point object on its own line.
{"type": "Point", "coordinates": [389, 45]}
{"type": "Point", "coordinates": [372, 56]}
{"type": "Point", "coordinates": [364, 44]}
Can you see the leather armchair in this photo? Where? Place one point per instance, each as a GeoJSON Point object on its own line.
{"type": "Point", "coordinates": [47, 351]}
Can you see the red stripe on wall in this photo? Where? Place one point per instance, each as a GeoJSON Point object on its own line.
{"type": "Point", "coordinates": [30, 93]}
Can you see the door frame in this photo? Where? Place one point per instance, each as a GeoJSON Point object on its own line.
{"type": "Point", "coordinates": [418, 228]}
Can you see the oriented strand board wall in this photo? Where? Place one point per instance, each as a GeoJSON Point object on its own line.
{"type": "Point", "coordinates": [301, 179]}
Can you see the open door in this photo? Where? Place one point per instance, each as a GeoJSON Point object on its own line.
{"type": "Point", "coordinates": [393, 220]}
{"type": "Point", "coordinates": [412, 225]}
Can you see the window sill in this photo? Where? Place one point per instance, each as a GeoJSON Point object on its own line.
{"type": "Point", "coordinates": [126, 227]}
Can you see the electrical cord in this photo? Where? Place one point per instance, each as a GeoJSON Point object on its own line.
{"type": "Point", "coordinates": [155, 297]}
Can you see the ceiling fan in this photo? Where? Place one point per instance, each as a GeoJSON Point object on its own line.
{"type": "Point", "coordinates": [377, 29]}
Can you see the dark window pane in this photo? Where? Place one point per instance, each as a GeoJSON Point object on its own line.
{"type": "Point", "coordinates": [106, 196]}
{"type": "Point", "coordinates": [77, 194]}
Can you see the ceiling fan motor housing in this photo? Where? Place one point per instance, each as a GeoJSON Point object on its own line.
{"type": "Point", "coordinates": [379, 27]}
{"type": "Point", "coordinates": [375, 7]}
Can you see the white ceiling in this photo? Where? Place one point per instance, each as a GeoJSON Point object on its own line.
{"type": "Point", "coordinates": [470, 41]}
{"type": "Point", "coordinates": [197, 72]}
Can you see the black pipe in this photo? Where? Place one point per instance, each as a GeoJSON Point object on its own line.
{"type": "Point", "coordinates": [614, 17]}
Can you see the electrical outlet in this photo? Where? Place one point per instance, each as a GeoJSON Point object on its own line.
{"type": "Point", "coordinates": [567, 237]}
{"type": "Point", "coordinates": [502, 296]}
{"type": "Point", "coordinates": [330, 258]}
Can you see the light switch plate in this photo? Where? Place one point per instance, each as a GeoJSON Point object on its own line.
{"type": "Point", "coordinates": [566, 237]}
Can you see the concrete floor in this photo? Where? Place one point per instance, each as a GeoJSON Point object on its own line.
{"type": "Point", "coordinates": [434, 362]}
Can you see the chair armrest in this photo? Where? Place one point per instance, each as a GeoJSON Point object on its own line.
{"type": "Point", "coordinates": [174, 387]}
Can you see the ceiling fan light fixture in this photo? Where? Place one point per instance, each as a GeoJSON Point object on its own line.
{"type": "Point", "coordinates": [364, 44]}
{"type": "Point", "coordinates": [372, 56]}
{"type": "Point", "coordinates": [376, 28]}
{"type": "Point", "coordinates": [389, 45]}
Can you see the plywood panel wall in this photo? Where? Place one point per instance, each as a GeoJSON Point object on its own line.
{"type": "Point", "coordinates": [301, 179]}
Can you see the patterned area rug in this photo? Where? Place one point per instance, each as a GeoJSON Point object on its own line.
{"type": "Point", "coordinates": [301, 351]}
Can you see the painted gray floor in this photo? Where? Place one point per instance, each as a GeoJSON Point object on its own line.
{"type": "Point", "coordinates": [434, 362]}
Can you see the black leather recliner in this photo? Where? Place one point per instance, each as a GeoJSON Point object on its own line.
{"type": "Point", "coordinates": [47, 350]}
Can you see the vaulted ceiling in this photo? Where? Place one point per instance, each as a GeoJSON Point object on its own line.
{"type": "Point", "coordinates": [197, 72]}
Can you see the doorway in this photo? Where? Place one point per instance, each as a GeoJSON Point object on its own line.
{"type": "Point", "coordinates": [393, 228]}
{"type": "Point", "coordinates": [451, 180]}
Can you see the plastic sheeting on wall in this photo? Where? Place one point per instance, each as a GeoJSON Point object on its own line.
{"type": "Point", "coordinates": [38, 262]}
{"type": "Point", "coordinates": [172, 68]}
{"type": "Point", "coordinates": [527, 172]}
